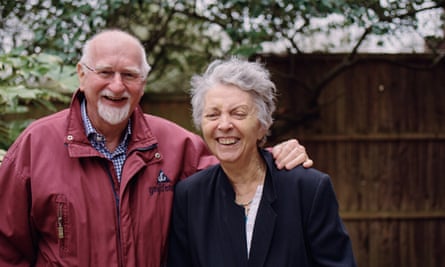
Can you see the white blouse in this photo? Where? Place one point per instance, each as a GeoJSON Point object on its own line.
{"type": "Point", "coordinates": [251, 216]}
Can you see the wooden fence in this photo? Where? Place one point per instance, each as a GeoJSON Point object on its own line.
{"type": "Point", "coordinates": [380, 133]}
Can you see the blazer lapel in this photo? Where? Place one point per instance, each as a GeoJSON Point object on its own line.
{"type": "Point", "coordinates": [264, 225]}
{"type": "Point", "coordinates": [233, 232]}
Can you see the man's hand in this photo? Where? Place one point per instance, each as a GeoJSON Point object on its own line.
{"type": "Point", "coordinates": [290, 154]}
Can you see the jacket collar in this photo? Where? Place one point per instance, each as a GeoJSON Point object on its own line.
{"type": "Point", "coordinates": [266, 217]}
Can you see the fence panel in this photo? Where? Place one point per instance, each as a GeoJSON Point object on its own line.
{"type": "Point", "coordinates": [379, 131]}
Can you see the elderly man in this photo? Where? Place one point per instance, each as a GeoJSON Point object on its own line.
{"type": "Point", "coordinates": [92, 185]}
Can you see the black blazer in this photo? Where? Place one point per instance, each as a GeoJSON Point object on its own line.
{"type": "Point", "coordinates": [297, 222]}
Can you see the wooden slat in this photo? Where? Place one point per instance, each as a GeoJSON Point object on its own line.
{"type": "Point", "coordinates": [374, 137]}
{"type": "Point", "coordinates": [391, 215]}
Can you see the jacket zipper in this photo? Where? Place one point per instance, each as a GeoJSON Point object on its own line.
{"type": "Point", "coordinates": [60, 234]}
{"type": "Point", "coordinates": [117, 200]}
{"type": "Point", "coordinates": [118, 232]}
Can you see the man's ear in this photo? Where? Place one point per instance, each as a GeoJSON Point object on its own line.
{"type": "Point", "coordinates": [80, 75]}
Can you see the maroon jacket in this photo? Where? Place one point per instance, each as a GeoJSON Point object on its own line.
{"type": "Point", "coordinates": [61, 204]}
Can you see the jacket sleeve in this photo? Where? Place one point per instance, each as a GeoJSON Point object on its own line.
{"type": "Point", "coordinates": [17, 245]}
{"type": "Point", "coordinates": [197, 153]}
{"type": "Point", "coordinates": [183, 146]}
{"type": "Point", "coordinates": [327, 237]}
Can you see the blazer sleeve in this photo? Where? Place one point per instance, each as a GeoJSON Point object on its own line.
{"type": "Point", "coordinates": [327, 237]}
{"type": "Point", "coordinates": [178, 250]}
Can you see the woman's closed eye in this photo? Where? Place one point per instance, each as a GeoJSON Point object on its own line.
{"type": "Point", "coordinates": [239, 115]}
{"type": "Point", "coordinates": [211, 116]}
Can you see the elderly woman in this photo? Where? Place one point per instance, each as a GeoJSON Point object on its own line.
{"type": "Point", "coordinates": [244, 211]}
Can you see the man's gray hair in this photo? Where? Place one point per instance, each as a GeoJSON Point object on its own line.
{"type": "Point", "coordinates": [86, 50]}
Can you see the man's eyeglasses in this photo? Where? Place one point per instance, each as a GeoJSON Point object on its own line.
{"type": "Point", "coordinates": [106, 74]}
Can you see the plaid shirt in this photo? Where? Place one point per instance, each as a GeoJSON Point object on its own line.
{"type": "Point", "coordinates": [98, 141]}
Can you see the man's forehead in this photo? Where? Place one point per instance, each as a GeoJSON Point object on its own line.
{"type": "Point", "coordinates": [113, 55]}
{"type": "Point", "coordinates": [118, 48]}
{"type": "Point", "coordinates": [115, 42]}
{"type": "Point", "coordinates": [113, 37]}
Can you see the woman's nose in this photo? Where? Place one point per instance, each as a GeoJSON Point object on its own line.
{"type": "Point", "coordinates": [225, 123]}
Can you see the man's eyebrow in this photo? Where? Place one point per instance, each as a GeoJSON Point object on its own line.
{"type": "Point", "coordinates": [102, 67]}
{"type": "Point", "coordinates": [109, 67]}
{"type": "Point", "coordinates": [132, 69]}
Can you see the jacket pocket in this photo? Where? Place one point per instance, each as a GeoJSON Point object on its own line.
{"type": "Point", "coordinates": [62, 225]}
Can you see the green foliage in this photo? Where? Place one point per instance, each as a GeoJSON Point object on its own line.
{"type": "Point", "coordinates": [57, 27]}
{"type": "Point", "coordinates": [178, 43]}
{"type": "Point", "coordinates": [39, 77]}
{"type": "Point", "coordinates": [249, 23]}
{"type": "Point", "coordinates": [180, 36]}
{"type": "Point", "coordinates": [175, 41]}
{"type": "Point", "coordinates": [37, 80]}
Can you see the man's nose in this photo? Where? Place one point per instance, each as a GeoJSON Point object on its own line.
{"type": "Point", "coordinates": [117, 83]}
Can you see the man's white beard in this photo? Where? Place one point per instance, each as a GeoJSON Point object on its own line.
{"type": "Point", "coordinates": [113, 115]}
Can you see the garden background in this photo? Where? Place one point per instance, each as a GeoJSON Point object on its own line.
{"type": "Point", "coordinates": [360, 82]}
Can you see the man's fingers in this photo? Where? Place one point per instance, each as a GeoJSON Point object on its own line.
{"type": "Point", "coordinates": [301, 159]}
{"type": "Point", "coordinates": [308, 163]}
{"type": "Point", "coordinates": [290, 154]}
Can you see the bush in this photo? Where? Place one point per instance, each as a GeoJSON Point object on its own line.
{"type": "Point", "coordinates": [35, 80]}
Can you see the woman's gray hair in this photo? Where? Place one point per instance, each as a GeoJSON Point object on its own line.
{"type": "Point", "coordinates": [251, 77]}
{"type": "Point", "coordinates": [86, 49]}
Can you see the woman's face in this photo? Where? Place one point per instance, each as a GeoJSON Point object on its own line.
{"type": "Point", "coordinates": [230, 124]}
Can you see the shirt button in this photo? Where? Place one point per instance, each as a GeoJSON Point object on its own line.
{"type": "Point", "coordinates": [158, 155]}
